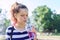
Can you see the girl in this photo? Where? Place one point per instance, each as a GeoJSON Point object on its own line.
{"type": "Point", "coordinates": [20, 30]}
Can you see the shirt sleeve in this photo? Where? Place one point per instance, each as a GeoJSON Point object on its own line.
{"type": "Point", "coordinates": [7, 36]}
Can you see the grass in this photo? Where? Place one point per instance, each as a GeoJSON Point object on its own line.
{"type": "Point", "coordinates": [41, 37]}
{"type": "Point", "coordinates": [2, 37]}
{"type": "Point", "coordinates": [49, 37]}
{"type": "Point", "coordinates": [45, 36]}
{"type": "Point", "coordinates": [56, 34]}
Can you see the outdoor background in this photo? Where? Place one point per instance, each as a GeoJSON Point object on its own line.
{"type": "Point", "coordinates": [43, 14]}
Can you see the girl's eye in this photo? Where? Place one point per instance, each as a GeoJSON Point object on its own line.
{"type": "Point", "coordinates": [22, 15]}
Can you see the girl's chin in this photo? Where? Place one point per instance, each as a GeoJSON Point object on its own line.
{"type": "Point", "coordinates": [23, 22]}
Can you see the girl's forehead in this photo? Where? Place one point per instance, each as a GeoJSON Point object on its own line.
{"type": "Point", "coordinates": [23, 11]}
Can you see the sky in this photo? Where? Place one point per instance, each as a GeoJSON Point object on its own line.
{"type": "Point", "coordinates": [32, 4]}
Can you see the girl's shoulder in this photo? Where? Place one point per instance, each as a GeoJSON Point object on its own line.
{"type": "Point", "coordinates": [9, 28]}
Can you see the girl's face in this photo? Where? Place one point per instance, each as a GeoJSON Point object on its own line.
{"type": "Point", "coordinates": [22, 16]}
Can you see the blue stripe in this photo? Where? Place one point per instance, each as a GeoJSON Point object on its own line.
{"type": "Point", "coordinates": [17, 33]}
{"type": "Point", "coordinates": [27, 37]}
{"type": "Point", "coordinates": [10, 28]}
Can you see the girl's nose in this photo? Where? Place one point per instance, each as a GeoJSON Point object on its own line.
{"type": "Point", "coordinates": [25, 17]}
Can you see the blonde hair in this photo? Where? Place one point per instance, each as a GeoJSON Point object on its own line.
{"type": "Point", "coordinates": [15, 9]}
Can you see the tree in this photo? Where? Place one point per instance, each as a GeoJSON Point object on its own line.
{"type": "Point", "coordinates": [0, 10]}
{"type": "Point", "coordinates": [4, 22]}
{"type": "Point", "coordinates": [43, 18]}
{"type": "Point", "coordinates": [56, 22]}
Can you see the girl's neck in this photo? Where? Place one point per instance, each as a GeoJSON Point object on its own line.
{"type": "Point", "coordinates": [20, 26]}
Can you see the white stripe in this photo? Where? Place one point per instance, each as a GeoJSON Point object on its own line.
{"type": "Point", "coordinates": [19, 36]}
{"type": "Point", "coordinates": [7, 36]}
{"type": "Point", "coordinates": [8, 31]}
{"type": "Point", "coordinates": [18, 31]}
{"type": "Point", "coordinates": [28, 39]}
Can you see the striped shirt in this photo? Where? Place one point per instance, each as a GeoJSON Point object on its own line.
{"type": "Point", "coordinates": [17, 34]}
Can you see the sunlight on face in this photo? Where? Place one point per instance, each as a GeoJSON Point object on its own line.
{"type": "Point", "coordinates": [22, 16]}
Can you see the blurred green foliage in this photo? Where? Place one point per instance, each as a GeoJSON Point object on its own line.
{"type": "Point", "coordinates": [45, 20]}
